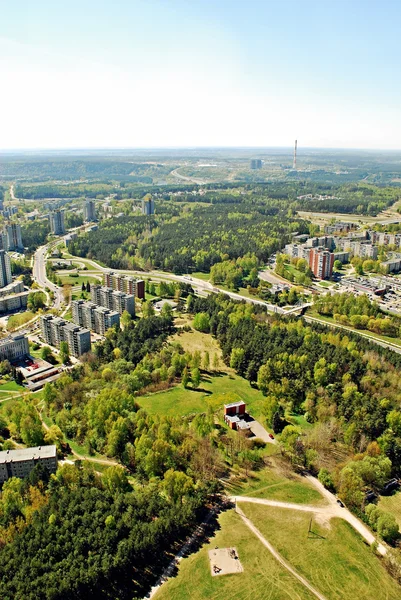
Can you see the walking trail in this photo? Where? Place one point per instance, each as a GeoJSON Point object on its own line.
{"type": "Point", "coordinates": [279, 558]}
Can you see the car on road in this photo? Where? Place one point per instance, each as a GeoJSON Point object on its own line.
{"type": "Point", "coordinates": [271, 436]}
{"type": "Point", "coordinates": [340, 503]}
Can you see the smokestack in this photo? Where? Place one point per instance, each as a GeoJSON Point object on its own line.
{"type": "Point", "coordinates": [294, 164]}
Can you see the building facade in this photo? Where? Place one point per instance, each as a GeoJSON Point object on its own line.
{"type": "Point", "coordinates": [125, 283]}
{"type": "Point", "coordinates": [113, 299]}
{"type": "Point", "coordinates": [13, 302]}
{"type": "Point", "coordinates": [96, 318]}
{"type": "Point", "coordinates": [19, 463]}
{"type": "Point", "coordinates": [14, 347]}
{"type": "Point", "coordinates": [148, 205]}
{"type": "Point", "coordinates": [5, 269]}
{"type": "Point", "coordinates": [321, 263]}
{"type": "Point", "coordinates": [55, 330]}
{"type": "Point", "coordinates": [89, 211]}
{"type": "Point", "coordinates": [14, 238]}
{"type": "Point", "coordinates": [57, 225]}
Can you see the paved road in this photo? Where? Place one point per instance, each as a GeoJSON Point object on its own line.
{"type": "Point", "coordinates": [175, 173]}
{"type": "Point", "coordinates": [39, 275]}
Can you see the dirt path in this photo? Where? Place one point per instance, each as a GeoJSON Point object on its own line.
{"type": "Point", "coordinates": [279, 558]}
{"type": "Point", "coordinates": [331, 510]}
{"type": "Point", "coordinates": [168, 571]}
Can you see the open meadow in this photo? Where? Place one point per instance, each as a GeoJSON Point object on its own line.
{"type": "Point", "coordinates": [263, 577]}
{"type": "Point", "coordinates": [333, 557]}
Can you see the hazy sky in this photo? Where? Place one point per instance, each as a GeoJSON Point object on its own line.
{"type": "Point", "coordinates": [143, 73]}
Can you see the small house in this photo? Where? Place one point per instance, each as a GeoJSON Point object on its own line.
{"type": "Point", "coordinates": [235, 408]}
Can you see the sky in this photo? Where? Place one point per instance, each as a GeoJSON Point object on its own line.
{"type": "Point", "coordinates": [191, 73]}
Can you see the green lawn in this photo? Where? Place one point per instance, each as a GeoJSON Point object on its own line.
{"type": "Point", "coordinates": [200, 275]}
{"type": "Point", "coordinates": [11, 386]}
{"type": "Point", "coordinates": [263, 577]}
{"type": "Point", "coordinates": [275, 485]}
{"type": "Point", "coordinates": [392, 504]}
{"type": "Point", "coordinates": [339, 564]}
{"type": "Point", "coordinates": [20, 319]}
{"type": "Point", "coordinates": [67, 279]}
{"type": "Point", "coordinates": [214, 390]}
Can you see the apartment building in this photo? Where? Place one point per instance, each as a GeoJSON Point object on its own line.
{"type": "Point", "coordinates": [89, 211]}
{"type": "Point", "coordinates": [96, 318]}
{"type": "Point", "coordinates": [339, 227]}
{"type": "Point", "coordinates": [125, 283]}
{"type": "Point", "coordinates": [148, 205]}
{"type": "Point", "coordinates": [14, 238]}
{"type": "Point", "coordinates": [57, 225]}
{"type": "Point", "coordinates": [324, 242]}
{"type": "Point", "coordinates": [13, 302]}
{"type": "Point", "coordinates": [19, 463]}
{"type": "Point", "coordinates": [113, 299]}
{"type": "Point", "coordinates": [55, 330]}
{"type": "Point", "coordinates": [14, 347]}
{"type": "Point", "coordinates": [321, 263]}
{"type": "Point", "coordinates": [5, 269]}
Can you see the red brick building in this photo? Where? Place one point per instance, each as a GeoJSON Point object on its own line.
{"type": "Point", "coordinates": [321, 263]}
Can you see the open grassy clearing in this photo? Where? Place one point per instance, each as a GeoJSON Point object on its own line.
{"type": "Point", "coordinates": [214, 390]}
{"type": "Point", "coordinates": [392, 504]}
{"type": "Point", "coordinates": [20, 319]}
{"type": "Point", "coordinates": [263, 577]}
{"type": "Point", "coordinates": [196, 340]}
{"type": "Point", "coordinates": [201, 275]}
{"type": "Point", "coordinates": [334, 559]}
{"type": "Point", "coordinates": [69, 280]}
{"type": "Point", "coordinates": [275, 484]}
{"type": "Point", "coordinates": [11, 386]}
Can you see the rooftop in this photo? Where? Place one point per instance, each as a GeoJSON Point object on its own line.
{"type": "Point", "coordinates": [239, 403]}
{"type": "Point", "coordinates": [27, 454]}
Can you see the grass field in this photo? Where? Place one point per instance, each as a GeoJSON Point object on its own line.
{"type": "Point", "coordinates": [276, 485]}
{"type": "Point", "coordinates": [67, 279]}
{"type": "Point", "coordinates": [19, 319]}
{"type": "Point", "coordinates": [263, 577]}
{"type": "Point", "coordinates": [200, 275]}
{"type": "Point", "coordinates": [392, 504]}
{"type": "Point", "coordinates": [214, 390]}
{"type": "Point", "coordinates": [11, 386]}
{"type": "Point", "coordinates": [196, 340]}
{"type": "Point", "coordinates": [338, 563]}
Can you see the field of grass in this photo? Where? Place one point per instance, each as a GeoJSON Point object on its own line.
{"type": "Point", "coordinates": [392, 504]}
{"type": "Point", "coordinates": [274, 484]}
{"type": "Point", "coordinates": [214, 390]}
{"type": "Point", "coordinates": [11, 386]}
{"type": "Point", "coordinates": [196, 340]}
{"type": "Point", "coordinates": [19, 319]}
{"type": "Point", "coordinates": [200, 275]}
{"type": "Point", "coordinates": [69, 280]}
{"type": "Point", "coordinates": [334, 558]}
{"type": "Point", "coordinates": [263, 577]}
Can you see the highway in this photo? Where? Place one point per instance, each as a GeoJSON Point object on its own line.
{"type": "Point", "coordinates": [39, 275]}
{"type": "Point", "coordinates": [200, 286]}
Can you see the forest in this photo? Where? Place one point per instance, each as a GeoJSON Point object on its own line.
{"type": "Point", "coordinates": [191, 240]}
{"type": "Point", "coordinates": [80, 535]}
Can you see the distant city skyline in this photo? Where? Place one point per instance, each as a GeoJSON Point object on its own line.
{"type": "Point", "coordinates": [142, 74]}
